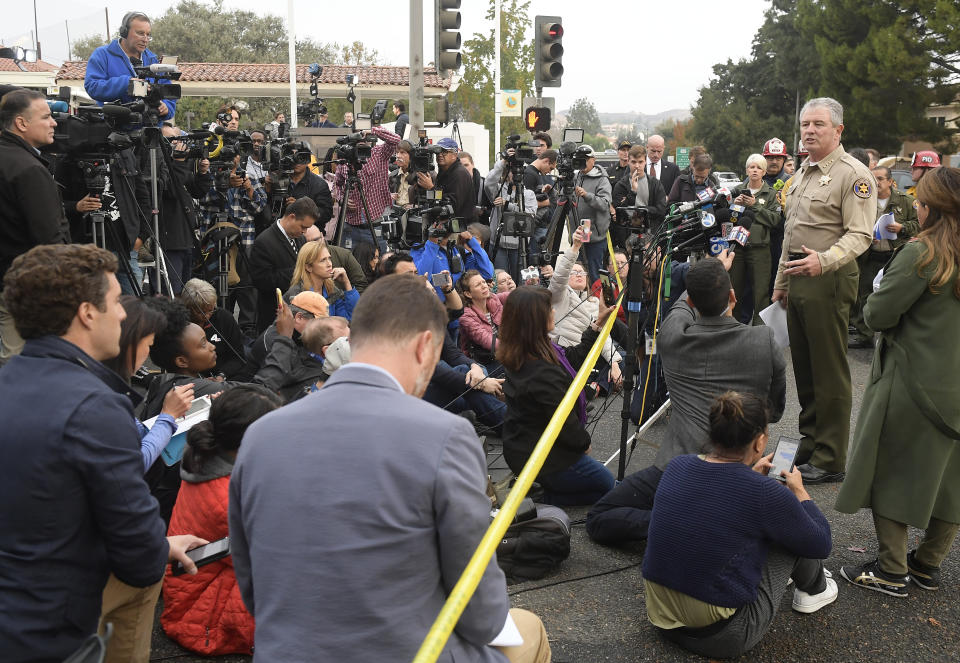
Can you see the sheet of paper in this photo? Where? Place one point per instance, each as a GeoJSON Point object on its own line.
{"type": "Point", "coordinates": [775, 317]}
{"type": "Point", "coordinates": [880, 227]}
{"type": "Point", "coordinates": [509, 635]}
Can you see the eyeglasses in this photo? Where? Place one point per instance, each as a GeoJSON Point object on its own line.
{"type": "Point", "coordinates": [577, 272]}
{"type": "Point", "coordinates": [622, 264]}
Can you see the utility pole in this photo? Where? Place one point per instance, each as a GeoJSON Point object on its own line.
{"type": "Point", "coordinates": [496, 79]}
{"type": "Point", "coordinates": [106, 15]}
{"type": "Point", "coordinates": [69, 49]}
{"type": "Point", "coordinates": [292, 57]}
{"type": "Point", "coordinates": [416, 67]}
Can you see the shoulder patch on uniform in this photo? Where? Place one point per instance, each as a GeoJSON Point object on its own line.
{"type": "Point", "coordinates": [916, 204]}
{"type": "Point", "coordinates": [862, 188]}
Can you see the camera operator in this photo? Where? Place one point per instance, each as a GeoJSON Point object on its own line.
{"type": "Point", "coordinates": [374, 176]}
{"type": "Point", "coordinates": [30, 209]}
{"type": "Point", "coordinates": [228, 117]}
{"type": "Point", "coordinates": [537, 178]}
{"type": "Point", "coordinates": [188, 179]}
{"type": "Point", "coordinates": [255, 160]}
{"type": "Point", "coordinates": [504, 197]}
{"type": "Point", "coordinates": [401, 179]}
{"type": "Point", "coordinates": [305, 183]}
{"type": "Point", "coordinates": [454, 180]}
{"type": "Point", "coordinates": [637, 188]}
{"type": "Point", "coordinates": [110, 68]}
{"type": "Point", "coordinates": [594, 194]}
{"type": "Point", "coordinates": [243, 201]}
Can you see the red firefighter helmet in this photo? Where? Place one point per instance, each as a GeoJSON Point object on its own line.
{"type": "Point", "coordinates": [925, 159]}
{"type": "Point", "coordinates": [775, 148]}
{"type": "Point", "coordinates": [801, 150]}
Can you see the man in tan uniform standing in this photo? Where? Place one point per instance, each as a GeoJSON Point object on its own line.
{"type": "Point", "coordinates": [830, 212]}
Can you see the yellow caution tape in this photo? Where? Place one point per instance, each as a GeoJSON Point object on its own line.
{"type": "Point", "coordinates": [443, 626]}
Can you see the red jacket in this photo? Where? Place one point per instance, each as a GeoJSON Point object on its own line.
{"type": "Point", "coordinates": [205, 612]}
{"type": "Point", "coordinates": [597, 291]}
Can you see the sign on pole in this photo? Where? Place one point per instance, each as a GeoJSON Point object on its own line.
{"type": "Point", "coordinates": [512, 103]}
{"type": "Point", "coordinates": [683, 157]}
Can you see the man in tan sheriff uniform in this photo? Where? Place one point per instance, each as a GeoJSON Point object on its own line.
{"type": "Point", "coordinates": [830, 212]}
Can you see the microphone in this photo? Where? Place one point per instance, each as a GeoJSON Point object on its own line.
{"type": "Point", "coordinates": [163, 69]}
{"type": "Point", "coordinates": [117, 114]}
{"type": "Point", "coordinates": [58, 106]}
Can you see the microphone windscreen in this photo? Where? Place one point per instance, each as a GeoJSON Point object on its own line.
{"type": "Point", "coordinates": [118, 113]}
{"type": "Point", "coordinates": [747, 218]}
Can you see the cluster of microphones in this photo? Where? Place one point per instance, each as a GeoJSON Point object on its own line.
{"type": "Point", "coordinates": [711, 224]}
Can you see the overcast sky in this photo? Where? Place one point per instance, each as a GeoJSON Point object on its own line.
{"type": "Point", "coordinates": [624, 56]}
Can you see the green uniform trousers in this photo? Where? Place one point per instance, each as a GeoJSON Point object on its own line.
{"type": "Point", "coordinates": [870, 263]}
{"type": "Point", "coordinates": [892, 544]}
{"type": "Point", "coordinates": [818, 312]}
{"type": "Point", "coordinates": [751, 264]}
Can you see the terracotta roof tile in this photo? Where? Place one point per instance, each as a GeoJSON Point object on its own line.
{"type": "Point", "coordinates": [6, 64]}
{"type": "Point", "coordinates": [277, 73]}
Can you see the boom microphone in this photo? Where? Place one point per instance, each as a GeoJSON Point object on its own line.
{"type": "Point", "coordinates": [117, 114]}
{"type": "Point", "coordinates": [163, 69]}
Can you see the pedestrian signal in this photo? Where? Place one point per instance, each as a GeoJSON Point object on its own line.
{"type": "Point", "coordinates": [537, 118]}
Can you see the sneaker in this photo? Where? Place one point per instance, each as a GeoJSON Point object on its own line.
{"type": "Point", "coordinates": [807, 603]}
{"type": "Point", "coordinates": [925, 577]}
{"type": "Point", "coordinates": [871, 576]}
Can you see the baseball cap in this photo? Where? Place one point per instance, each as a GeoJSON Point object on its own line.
{"type": "Point", "coordinates": [311, 301]}
{"type": "Point", "coordinates": [625, 145]}
{"type": "Point", "coordinates": [448, 144]}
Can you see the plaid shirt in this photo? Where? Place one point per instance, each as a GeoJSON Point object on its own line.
{"type": "Point", "coordinates": [374, 176]}
{"type": "Point", "coordinates": [240, 208]}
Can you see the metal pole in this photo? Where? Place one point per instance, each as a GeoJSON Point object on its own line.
{"type": "Point", "coordinates": [292, 56]}
{"type": "Point", "coordinates": [496, 79]}
{"type": "Point", "coordinates": [66, 26]}
{"type": "Point", "coordinates": [36, 31]}
{"type": "Point", "coordinates": [416, 66]}
{"type": "Point", "coordinates": [106, 14]}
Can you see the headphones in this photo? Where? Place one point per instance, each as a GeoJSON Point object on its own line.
{"type": "Point", "coordinates": [127, 18]}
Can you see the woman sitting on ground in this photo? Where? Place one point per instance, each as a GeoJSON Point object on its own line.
{"type": "Point", "coordinates": [481, 319]}
{"type": "Point", "coordinates": [504, 281]}
{"type": "Point", "coordinates": [539, 373]}
{"type": "Point", "coordinates": [205, 612]}
{"type": "Point", "coordinates": [315, 271]}
{"type": "Point", "coordinates": [725, 539]}
{"type": "Point", "coordinates": [136, 336]}
{"type": "Point", "coordinates": [220, 328]}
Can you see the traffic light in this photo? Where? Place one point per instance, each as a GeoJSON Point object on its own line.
{"type": "Point", "coordinates": [447, 42]}
{"type": "Point", "coordinates": [536, 118]}
{"type": "Point", "coordinates": [548, 50]}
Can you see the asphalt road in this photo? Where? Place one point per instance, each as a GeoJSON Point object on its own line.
{"type": "Point", "coordinates": [593, 607]}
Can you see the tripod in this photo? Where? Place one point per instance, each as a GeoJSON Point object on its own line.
{"type": "Point", "coordinates": [518, 223]}
{"type": "Point", "coordinates": [565, 215]}
{"type": "Point", "coordinates": [353, 182]}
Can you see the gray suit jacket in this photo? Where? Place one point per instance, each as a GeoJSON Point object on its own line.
{"type": "Point", "coordinates": [353, 512]}
{"type": "Point", "coordinates": [703, 357]}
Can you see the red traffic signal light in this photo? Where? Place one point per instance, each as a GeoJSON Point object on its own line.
{"type": "Point", "coordinates": [536, 118]}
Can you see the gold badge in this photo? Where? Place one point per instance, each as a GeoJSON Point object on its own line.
{"type": "Point", "coordinates": [825, 180]}
{"type": "Point", "coordinates": [862, 188]}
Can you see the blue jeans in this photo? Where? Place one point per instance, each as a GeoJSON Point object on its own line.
{"type": "Point", "coordinates": [594, 252]}
{"type": "Point", "coordinates": [125, 286]}
{"type": "Point", "coordinates": [353, 235]}
{"type": "Point", "coordinates": [489, 410]}
{"type": "Point", "coordinates": [583, 483]}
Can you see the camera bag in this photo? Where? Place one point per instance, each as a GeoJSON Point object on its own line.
{"type": "Point", "coordinates": [533, 548]}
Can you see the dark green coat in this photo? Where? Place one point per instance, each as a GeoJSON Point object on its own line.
{"type": "Point", "coordinates": [904, 210]}
{"type": "Point", "coordinates": [905, 456]}
{"type": "Point", "coordinates": [766, 213]}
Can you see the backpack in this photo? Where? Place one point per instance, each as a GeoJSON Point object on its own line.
{"type": "Point", "coordinates": [532, 548]}
{"type": "Point", "coordinates": [210, 246]}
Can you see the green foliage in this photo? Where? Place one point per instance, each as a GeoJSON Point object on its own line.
{"type": "Point", "coordinates": [583, 115]}
{"type": "Point", "coordinates": [596, 141]}
{"type": "Point", "coordinates": [475, 96]}
{"type": "Point", "coordinates": [885, 61]}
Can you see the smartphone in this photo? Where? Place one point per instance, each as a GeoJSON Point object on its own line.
{"type": "Point", "coordinates": [608, 298]}
{"type": "Point", "coordinates": [585, 230]}
{"type": "Point", "coordinates": [279, 298]}
{"type": "Point", "coordinates": [205, 554]}
{"type": "Point", "coordinates": [784, 456]}
{"type": "Point", "coordinates": [442, 280]}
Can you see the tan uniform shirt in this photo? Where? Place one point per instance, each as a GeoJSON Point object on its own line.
{"type": "Point", "coordinates": [830, 208]}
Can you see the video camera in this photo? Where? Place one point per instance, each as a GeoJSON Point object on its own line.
{"type": "Point", "coordinates": [97, 129]}
{"type": "Point", "coordinates": [421, 161]}
{"type": "Point", "coordinates": [355, 148]}
{"type": "Point", "coordinates": [516, 152]}
{"type": "Point", "coordinates": [316, 106]}
{"type": "Point", "coordinates": [151, 92]}
{"type": "Point", "coordinates": [571, 157]}
{"type": "Point", "coordinates": [280, 158]}
{"type": "Point", "coordinates": [436, 214]}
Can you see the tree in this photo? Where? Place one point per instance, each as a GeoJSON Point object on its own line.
{"type": "Point", "coordinates": [583, 115]}
{"type": "Point", "coordinates": [475, 98]}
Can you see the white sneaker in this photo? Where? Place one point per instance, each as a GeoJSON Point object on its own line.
{"type": "Point", "coordinates": [826, 572]}
{"type": "Point", "coordinates": [807, 603]}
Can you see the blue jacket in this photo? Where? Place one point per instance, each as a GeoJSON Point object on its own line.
{"type": "Point", "coordinates": [75, 505]}
{"type": "Point", "coordinates": [109, 72]}
{"type": "Point", "coordinates": [343, 306]}
{"type": "Point", "coordinates": [429, 259]}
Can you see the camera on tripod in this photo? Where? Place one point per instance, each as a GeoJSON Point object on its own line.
{"type": "Point", "coordinates": [421, 161]}
{"type": "Point", "coordinates": [151, 92]}
{"type": "Point", "coordinates": [571, 158]}
{"type": "Point", "coordinates": [355, 148]}
{"type": "Point", "coordinates": [516, 152]}
{"type": "Point", "coordinates": [316, 106]}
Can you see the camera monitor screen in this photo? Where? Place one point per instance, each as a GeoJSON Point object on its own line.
{"type": "Point", "coordinates": [573, 135]}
